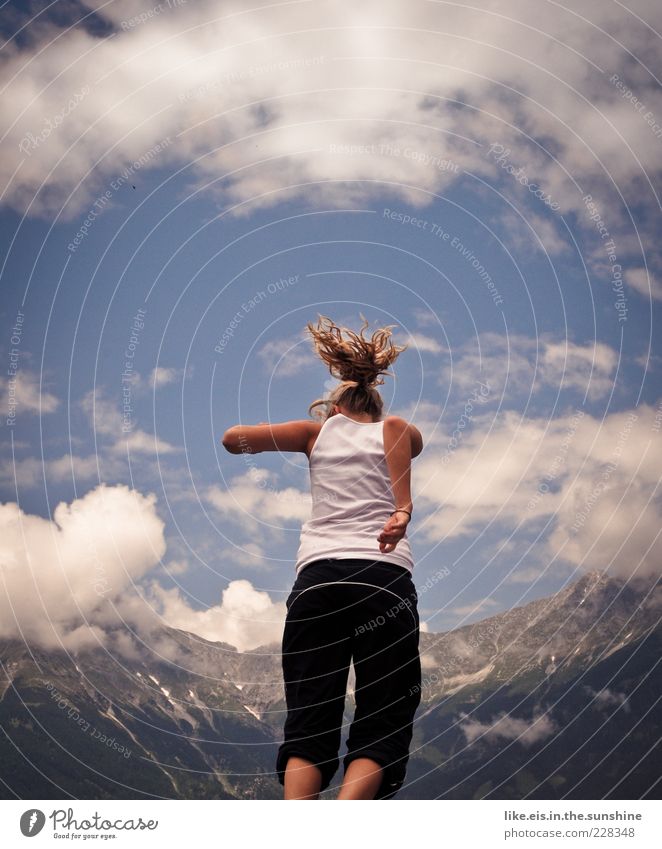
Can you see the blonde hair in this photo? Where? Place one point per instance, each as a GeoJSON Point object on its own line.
{"type": "Point", "coordinates": [357, 362]}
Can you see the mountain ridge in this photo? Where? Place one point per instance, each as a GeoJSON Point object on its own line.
{"type": "Point", "coordinates": [205, 721]}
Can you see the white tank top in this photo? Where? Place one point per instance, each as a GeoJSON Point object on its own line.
{"type": "Point", "coordinates": [351, 494]}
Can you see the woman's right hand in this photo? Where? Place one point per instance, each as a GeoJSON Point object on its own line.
{"type": "Point", "coordinates": [392, 532]}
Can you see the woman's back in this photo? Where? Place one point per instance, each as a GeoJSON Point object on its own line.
{"type": "Point", "coordinates": [351, 493]}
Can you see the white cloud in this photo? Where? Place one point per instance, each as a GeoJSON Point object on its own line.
{"type": "Point", "coordinates": [57, 573]}
{"type": "Point", "coordinates": [260, 97]}
{"type": "Point", "coordinates": [159, 377]}
{"type": "Point", "coordinates": [524, 731]}
{"type": "Point", "coordinates": [426, 415]}
{"type": "Point", "coordinates": [287, 357]}
{"type": "Point", "coordinates": [176, 567]}
{"type": "Point", "coordinates": [531, 233]}
{"type": "Point", "coordinates": [421, 342]}
{"type": "Point", "coordinates": [583, 367]}
{"type": "Point", "coordinates": [250, 554]}
{"type": "Point", "coordinates": [595, 480]}
{"type": "Point", "coordinates": [426, 318]}
{"type": "Point", "coordinates": [107, 420]}
{"type": "Point", "coordinates": [649, 362]}
{"type": "Point", "coordinates": [104, 415]}
{"type": "Point", "coordinates": [70, 466]}
{"type": "Point", "coordinates": [75, 581]}
{"type": "Point", "coordinates": [644, 282]}
{"type": "Point", "coordinates": [478, 607]}
{"type": "Point", "coordinates": [245, 618]}
{"type": "Point", "coordinates": [525, 576]}
{"type": "Point", "coordinates": [606, 698]}
{"type": "Point", "coordinates": [141, 442]}
{"type": "Point", "coordinates": [162, 376]}
{"type": "Point", "coordinates": [253, 497]}
{"type": "Point", "coordinates": [31, 471]}
{"type": "Point", "coordinates": [22, 392]}
{"type": "Point", "coordinates": [518, 364]}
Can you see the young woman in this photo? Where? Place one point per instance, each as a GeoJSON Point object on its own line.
{"type": "Point", "coordinates": [353, 598]}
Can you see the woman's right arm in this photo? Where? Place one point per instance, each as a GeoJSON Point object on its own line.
{"type": "Point", "coordinates": [295, 435]}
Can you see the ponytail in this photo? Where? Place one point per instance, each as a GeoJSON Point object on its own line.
{"type": "Point", "coordinates": [357, 362]}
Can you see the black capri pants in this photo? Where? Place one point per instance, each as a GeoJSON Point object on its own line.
{"type": "Point", "coordinates": [341, 610]}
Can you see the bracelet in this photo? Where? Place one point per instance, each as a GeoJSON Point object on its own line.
{"type": "Point", "coordinates": [400, 510]}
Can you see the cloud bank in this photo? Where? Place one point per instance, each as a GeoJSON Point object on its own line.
{"type": "Point", "coordinates": [338, 103]}
{"type": "Point", "coordinates": [81, 580]}
{"type": "Point", "coordinates": [592, 483]}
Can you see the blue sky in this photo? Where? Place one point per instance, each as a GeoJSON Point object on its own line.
{"type": "Point", "coordinates": [404, 192]}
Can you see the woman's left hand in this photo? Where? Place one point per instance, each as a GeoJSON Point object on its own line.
{"type": "Point", "coordinates": [392, 532]}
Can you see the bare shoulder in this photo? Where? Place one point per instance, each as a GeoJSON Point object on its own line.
{"type": "Point", "coordinates": [306, 429]}
{"type": "Point", "coordinates": [396, 421]}
{"type": "Point", "coordinates": [313, 429]}
{"type": "Point", "coordinates": [400, 425]}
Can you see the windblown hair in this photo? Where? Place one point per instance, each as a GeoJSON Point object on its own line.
{"type": "Point", "coordinates": [357, 362]}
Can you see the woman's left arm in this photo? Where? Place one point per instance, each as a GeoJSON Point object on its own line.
{"type": "Point", "coordinates": [285, 436]}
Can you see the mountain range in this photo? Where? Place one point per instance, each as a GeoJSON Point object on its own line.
{"type": "Point", "coordinates": [559, 698]}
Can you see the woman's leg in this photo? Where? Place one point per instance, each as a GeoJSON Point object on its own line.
{"type": "Point", "coordinates": [362, 780]}
{"type": "Point", "coordinates": [316, 659]}
{"type": "Point", "coordinates": [388, 677]}
{"type": "Point", "coordinates": [302, 779]}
